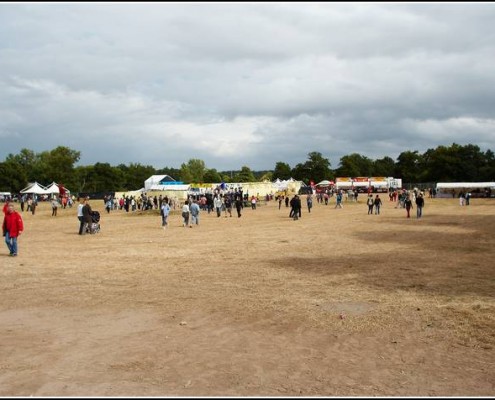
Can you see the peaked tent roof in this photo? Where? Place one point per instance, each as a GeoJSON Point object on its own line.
{"type": "Point", "coordinates": [35, 188]}
{"type": "Point", "coordinates": [55, 188]}
{"type": "Point", "coordinates": [156, 180]}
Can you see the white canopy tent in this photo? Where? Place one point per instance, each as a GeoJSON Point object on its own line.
{"type": "Point", "coordinates": [169, 187]}
{"type": "Point", "coordinates": [157, 180]}
{"type": "Point", "coordinates": [54, 188]}
{"type": "Point", "coordinates": [281, 185]}
{"type": "Point", "coordinates": [35, 188]}
{"type": "Point", "coordinates": [465, 185]}
{"type": "Point", "coordinates": [325, 183]}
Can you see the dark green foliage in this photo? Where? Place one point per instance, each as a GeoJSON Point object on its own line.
{"type": "Point", "coordinates": [443, 164]}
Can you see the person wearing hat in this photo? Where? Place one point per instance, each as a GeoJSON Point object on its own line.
{"type": "Point", "coordinates": [12, 227]}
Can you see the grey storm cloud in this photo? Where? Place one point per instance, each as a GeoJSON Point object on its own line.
{"type": "Point", "coordinates": [249, 84]}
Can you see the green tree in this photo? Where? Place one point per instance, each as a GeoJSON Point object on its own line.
{"type": "Point", "coordinates": [408, 166]}
{"type": "Point", "coordinates": [302, 172]}
{"type": "Point", "coordinates": [487, 171]}
{"type": "Point", "coordinates": [193, 171]}
{"type": "Point", "coordinates": [81, 179]}
{"type": "Point", "coordinates": [12, 177]}
{"type": "Point", "coordinates": [58, 165]}
{"type": "Point", "coordinates": [105, 178]}
{"type": "Point", "coordinates": [267, 176]}
{"type": "Point", "coordinates": [383, 167]}
{"type": "Point", "coordinates": [174, 173]}
{"type": "Point", "coordinates": [227, 176]}
{"type": "Point", "coordinates": [454, 163]}
{"type": "Point", "coordinates": [212, 176]}
{"type": "Point", "coordinates": [316, 169]}
{"type": "Point", "coordinates": [245, 175]}
{"type": "Point", "coordinates": [134, 175]}
{"type": "Point", "coordinates": [185, 174]}
{"type": "Point", "coordinates": [282, 171]}
{"type": "Point", "coordinates": [354, 165]}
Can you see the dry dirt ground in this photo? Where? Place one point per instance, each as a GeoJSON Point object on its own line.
{"type": "Point", "coordinates": [252, 306]}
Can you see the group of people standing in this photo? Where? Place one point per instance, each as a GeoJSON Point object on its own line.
{"type": "Point", "coordinates": [193, 205]}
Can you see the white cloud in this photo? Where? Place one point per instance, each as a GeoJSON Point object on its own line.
{"type": "Point", "coordinates": [244, 83]}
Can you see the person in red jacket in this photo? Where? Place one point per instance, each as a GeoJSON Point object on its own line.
{"type": "Point", "coordinates": [12, 227]}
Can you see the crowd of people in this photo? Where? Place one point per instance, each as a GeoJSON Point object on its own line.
{"type": "Point", "coordinates": [217, 202]}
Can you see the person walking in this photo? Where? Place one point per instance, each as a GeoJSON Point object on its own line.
{"type": "Point", "coordinates": [309, 202]}
{"type": "Point", "coordinates": [420, 203]}
{"type": "Point", "coordinates": [377, 204]}
{"type": "Point", "coordinates": [194, 210]}
{"type": "Point", "coordinates": [238, 204]}
{"type": "Point", "coordinates": [228, 205]}
{"type": "Point", "coordinates": [109, 204]}
{"type": "Point", "coordinates": [253, 202]}
{"type": "Point", "coordinates": [80, 216]}
{"type": "Point", "coordinates": [87, 220]}
{"type": "Point", "coordinates": [165, 212]}
{"type": "Point", "coordinates": [338, 199]}
{"type": "Point", "coordinates": [295, 204]}
{"type": "Point", "coordinates": [54, 207]}
{"type": "Point", "coordinates": [408, 205]}
{"type": "Point", "coordinates": [185, 214]}
{"type": "Point", "coordinates": [12, 227]}
{"type": "Point", "coordinates": [34, 203]}
{"type": "Point", "coordinates": [370, 203]}
{"type": "Point", "coordinates": [217, 202]}
{"type": "Point", "coordinates": [298, 206]}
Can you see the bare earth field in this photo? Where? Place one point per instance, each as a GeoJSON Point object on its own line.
{"type": "Point", "coordinates": [251, 306]}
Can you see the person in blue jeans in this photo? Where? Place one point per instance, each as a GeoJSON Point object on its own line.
{"type": "Point", "coordinates": [378, 203]}
{"type": "Point", "coordinates": [12, 227]}
{"type": "Point", "coordinates": [420, 203]}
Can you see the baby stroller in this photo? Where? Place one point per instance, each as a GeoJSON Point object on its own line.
{"type": "Point", "coordinates": [95, 223]}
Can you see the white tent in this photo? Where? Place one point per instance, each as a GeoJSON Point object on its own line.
{"type": "Point", "coordinates": [325, 182]}
{"type": "Point", "coordinates": [157, 180]}
{"type": "Point", "coordinates": [53, 188]}
{"type": "Point", "coordinates": [35, 188]}
{"type": "Point", "coordinates": [445, 189]}
{"type": "Point", "coordinates": [169, 187]}
{"type": "Point", "coordinates": [465, 185]}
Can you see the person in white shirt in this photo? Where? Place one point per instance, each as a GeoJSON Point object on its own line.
{"type": "Point", "coordinates": [185, 214]}
{"type": "Point", "coordinates": [80, 215]}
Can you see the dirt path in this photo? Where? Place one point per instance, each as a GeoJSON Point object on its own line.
{"type": "Point", "coordinates": [252, 306]}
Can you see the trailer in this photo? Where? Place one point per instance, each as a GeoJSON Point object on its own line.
{"type": "Point", "coordinates": [477, 189]}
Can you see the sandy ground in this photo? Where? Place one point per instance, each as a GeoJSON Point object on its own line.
{"type": "Point", "coordinates": [338, 303]}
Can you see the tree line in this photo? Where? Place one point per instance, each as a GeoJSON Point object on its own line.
{"type": "Point", "coordinates": [454, 163]}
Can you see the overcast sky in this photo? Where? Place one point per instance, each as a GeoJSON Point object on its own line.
{"type": "Point", "coordinates": [237, 84]}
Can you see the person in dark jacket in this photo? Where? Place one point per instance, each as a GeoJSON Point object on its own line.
{"type": "Point", "coordinates": [377, 203]}
{"type": "Point", "coordinates": [88, 221]}
{"type": "Point", "coordinates": [408, 205]}
{"type": "Point", "coordinates": [420, 203]}
{"type": "Point", "coordinates": [295, 207]}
